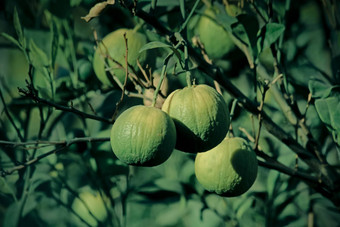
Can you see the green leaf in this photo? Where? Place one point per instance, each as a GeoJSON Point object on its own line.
{"type": "Point", "coordinates": [37, 56]}
{"type": "Point", "coordinates": [18, 29]}
{"type": "Point", "coordinates": [97, 9]}
{"type": "Point", "coordinates": [153, 45]}
{"type": "Point", "coordinates": [272, 180]}
{"type": "Point", "coordinates": [329, 111]}
{"type": "Point", "coordinates": [319, 88]}
{"type": "Point", "coordinates": [246, 205]}
{"type": "Point", "coordinates": [240, 33]}
{"type": "Point", "coordinates": [224, 19]}
{"type": "Point", "coordinates": [269, 34]}
{"type": "Point", "coordinates": [157, 44]}
{"type": "Point", "coordinates": [288, 200]}
{"type": "Point", "coordinates": [325, 213]}
{"type": "Point", "coordinates": [273, 32]}
{"type": "Point", "coordinates": [170, 216]}
{"type": "Point", "coordinates": [182, 7]}
{"type": "Point", "coordinates": [11, 39]}
{"type": "Point", "coordinates": [11, 215]}
{"type": "Point", "coordinates": [55, 43]}
{"type": "Point", "coordinates": [169, 185]}
{"type": "Point", "coordinates": [75, 3]}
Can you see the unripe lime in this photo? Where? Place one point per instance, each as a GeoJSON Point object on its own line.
{"type": "Point", "coordinates": [228, 169]}
{"type": "Point", "coordinates": [215, 38]}
{"type": "Point", "coordinates": [201, 117]}
{"type": "Point", "coordinates": [90, 207]}
{"type": "Point", "coordinates": [113, 45]}
{"type": "Point", "coordinates": [144, 136]}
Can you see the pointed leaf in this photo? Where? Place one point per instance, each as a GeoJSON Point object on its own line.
{"type": "Point", "coordinates": [18, 29]}
{"type": "Point", "coordinates": [55, 43]}
{"type": "Point", "coordinates": [96, 10]}
{"type": "Point", "coordinates": [269, 34]}
{"type": "Point", "coordinates": [329, 111]}
{"type": "Point", "coordinates": [273, 32]}
{"type": "Point", "coordinates": [319, 88]}
{"type": "Point", "coordinates": [38, 56]}
{"type": "Point", "coordinates": [11, 39]}
{"type": "Point", "coordinates": [153, 45]}
{"type": "Point", "coordinates": [182, 7]}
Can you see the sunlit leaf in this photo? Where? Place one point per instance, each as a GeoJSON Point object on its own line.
{"type": "Point", "coordinates": [96, 10]}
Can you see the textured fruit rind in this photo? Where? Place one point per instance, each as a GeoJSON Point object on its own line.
{"type": "Point", "coordinates": [201, 117]}
{"type": "Point", "coordinates": [143, 136]}
{"type": "Point", "coordinates": [94, 204]}
{"type": "Point", "coordinates": [229, 169]}
{"type": "Point", "coordinates": [113, 45]}
{"type": "Point", "coordinates": [216, 40]}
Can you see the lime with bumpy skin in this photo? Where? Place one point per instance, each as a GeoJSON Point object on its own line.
{"type": "Point", "coordinates": [201, 117]}
{"type": "Point", "coordinates": [228, 169]}
{"type": "Point", "coordinates": [109, 57]}
{"type": "Point", "coordinates": [143, 136]}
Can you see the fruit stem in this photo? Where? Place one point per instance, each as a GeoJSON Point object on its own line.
{"type": "Point", "coordinates": [163, 73]}
{"type": "Point", "coordinates": [186, 65]}
{"type": "Point", "coordinates": [233, 107]}
{"type": "Point", "coordinates": [190, 15]}
{"type": "Point", "coordinates": [138, 26]}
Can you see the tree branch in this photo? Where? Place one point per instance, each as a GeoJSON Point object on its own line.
{"type": "Point", "coordinates": [9, 116]}
{"type": "Point", "coordinates": [62, 145]}
{"type": "Point", "coordinates": [29, 94]}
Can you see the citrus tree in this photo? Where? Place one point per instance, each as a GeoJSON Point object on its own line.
{"type": "Point", "coordinates": [169, 113]}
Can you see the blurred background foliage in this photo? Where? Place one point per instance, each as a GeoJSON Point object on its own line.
{"type": "Point", "coordinates": [45, 43]}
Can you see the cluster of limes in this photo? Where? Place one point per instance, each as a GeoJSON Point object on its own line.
{"type": "Point", "coordinates": [194, 119]}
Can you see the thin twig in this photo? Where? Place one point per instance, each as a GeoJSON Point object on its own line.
{"type": "Point", "coordinates": [274, 164]}
{"type": "Point", "coordinates": [144, 73]}
{"type": "Point", "coordinates": [126, 79]}
{"type": "Point", "coordinates": [71, 109]}
{"type": "Point", "coordinates": [64, 144]}
{"type": "Point", "coordinates": [265, 89]}
{"type": "Point", "coordinates": [9, 116]}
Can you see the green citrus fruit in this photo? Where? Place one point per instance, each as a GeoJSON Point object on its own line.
{"type": "Point", "coordinates": [90, 207]}
{"type": "Point", "coordinates": [215, 38]}
{"type": "Point", "coordinates": [201, 117]}
{"type": "Point", "coordinates": [113, 45]}
{"type": "Point", "coordinates": [144, 136]}
{"type": "Point", "coordinates": [228, 169]}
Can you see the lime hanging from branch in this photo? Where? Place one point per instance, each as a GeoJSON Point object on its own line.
{"type": "Point", "coordinates": [201, 117]}
{"type": "Point", "coordinates": [143, 136]}
{"type": "Point", "coordinates": [228, 169]}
